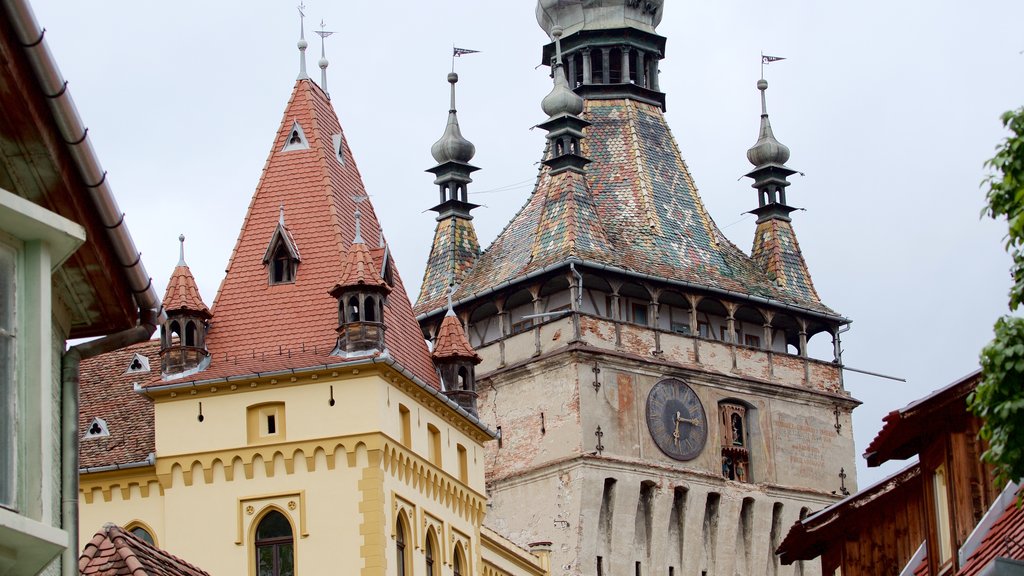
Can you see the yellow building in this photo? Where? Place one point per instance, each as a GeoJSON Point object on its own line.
{"type": "Point", "coordinates": [298, 425]}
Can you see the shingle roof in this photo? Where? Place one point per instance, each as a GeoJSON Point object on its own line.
{"type": "Point", "coordinates": [319, 194]}
{"type": "Point", "coordinates": [452, 255]}
{"type": "Point", "coordinates": [114, 551]}
{"type": "Point", "coordinates": [452, 342]}
{"type": "Point", "coordinates": [360, 269]}
{"type": "Point", "coordinates": [1005, 539]}
{"type": "Point", "coordinates": [645, 215]}
{"type": "Point", "coordinates": [183, 294]}
{"type": "Point", "coordinates": [107, 392]}
{"type": "Point", "coordinates": [777, 252]}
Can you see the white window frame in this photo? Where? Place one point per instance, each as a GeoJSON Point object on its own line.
{"type": "Point", "coordinates": [42, 240]}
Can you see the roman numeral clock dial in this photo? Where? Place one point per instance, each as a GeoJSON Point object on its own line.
{"type": "Point", "coordinates": [676, 419]}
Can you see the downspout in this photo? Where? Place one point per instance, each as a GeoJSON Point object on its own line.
{"type": "Point", "coordinates": [94, 180]}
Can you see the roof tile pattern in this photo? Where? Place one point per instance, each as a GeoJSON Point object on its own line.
{"type": "Point", "coordinates": [452, 342]}
{"type": "Point", "coordinates": [642, 213]}
{"type": "Point", "coordinates": [777, 252]}
{"type": "Point", "coordinates": [452, 255]}
{"type": "Point", "coordinates": [183, 294]}
{"type": "Point", "coordinates": [107, 392]}
{"type": "Point", "coordinates": [361, 269]}
{"type": "Point", "coordinates": [114, 551]}
{"type": "Point", "coordinates": [1003, 540]}
{"type": "Point", "coordinates": [319, 194]}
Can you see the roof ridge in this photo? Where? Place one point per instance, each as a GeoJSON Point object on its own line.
{"type": "Point", "coordinates": [324, 168]}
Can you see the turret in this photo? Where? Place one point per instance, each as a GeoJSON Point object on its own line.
{"type": "Point", "coordinates": [564, 126]}
{"type": "Point", "coordinates": [183, 334]}
{"type": "Point", "coordinates": [361, 294]}
{"type": "Point", "coordinates": [770, 173]}
{"type": "Point", "coordinates": [456, 362]}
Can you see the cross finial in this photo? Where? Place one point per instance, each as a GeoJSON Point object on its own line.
{"type": "Point", "coordinates": [181, 250]}
{"type": "Point", "coordinates": [302, 44]}
{"type": "Point", "coordinates": [323, 33]}
{"type": "Point", "coordinates": [280, 218]}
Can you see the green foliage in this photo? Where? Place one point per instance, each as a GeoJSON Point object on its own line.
{"type": "Point", "coordinates": [1006, 196]}
{"type": "Point", "coordinates": [999, 398]}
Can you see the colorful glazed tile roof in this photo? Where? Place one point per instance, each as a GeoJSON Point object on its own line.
{"type": "Point", "coordinates": [646, 216]}
{"type": "Point", "coordinates": [183, 294]}
{"type": "Point", "coordinates": [452, 255]}
{"type": "Point", "coordinates": [777, 252]}
{"type": "Point", "coordinates": [452, 342]}
{"type": "Point", "coordinates": [319, 193]}
{"type": "Point", "coordinates": [114, 551]}
{"type": "Point", "coordinates": [108, 392]}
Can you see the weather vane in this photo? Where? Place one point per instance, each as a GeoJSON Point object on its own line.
{"type": "Point", "coordinates": [458, 52]}
{"type": "Point", "coordinates": [768, 60]}
{"type": "Point", "coordinates": [323, 33]}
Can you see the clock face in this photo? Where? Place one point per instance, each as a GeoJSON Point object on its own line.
{"type": "Point", "coordinates": [676, 419]}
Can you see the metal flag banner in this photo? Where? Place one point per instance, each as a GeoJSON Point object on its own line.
{"type": "Point", "coordinates": [462, 51]}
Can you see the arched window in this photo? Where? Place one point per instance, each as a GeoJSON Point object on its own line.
{"type": "Point", "coordinates": [457, 567]}
{"type": "Point", "coordinates": [141, 532]}
{"type": "Point", "coordinates": [175, 338]}
{"type": "Point", "coordinates": [282, 267]}
{"type": "Point", "coordinates": [275, 555]}
{"type": "Point", "coordinates": [353, 309]}
{"type": "Point", "coordinates": [190, 333]}
{"type": "Point", "coordinates": [400, 554]}
{"type": "Point", "coordinates": [428, 553]}
{"type": "Point", "coordinates": [462, 379]}
{"type": "Point", "coordinates": [370, 310]}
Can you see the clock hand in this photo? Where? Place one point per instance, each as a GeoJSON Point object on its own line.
{"type": "Point", "coordinates": [690, 421]}
{"type": "Point", "coordinates": [675, 433]}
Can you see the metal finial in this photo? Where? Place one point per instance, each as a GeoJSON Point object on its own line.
{"type": "Point", "coordinates": [451, 290]}
{"type": "Point", "coordinates": [323, 55]}
{"type": "Point", "coordinates": [302, 44]}
{"type": "Point", "coordinates": [280, 218]}
{"type": "Point", "coordinates": [358, 215]}
{"type": "Point", "coordinates": [181, 250]}
{"type": "Point", "coordinates": [557, 35]}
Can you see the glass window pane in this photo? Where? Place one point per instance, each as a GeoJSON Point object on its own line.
{"type": "Point", "coordinates": [142, 534]}
{"type": "Point", "coordinates": [8, 388]}
{"type": "Point", "coordinates": [273, 525]}
{"type": "Point", "coordinates": [265, 561]}
{"type": "Point", "coordinates": [286, 560]}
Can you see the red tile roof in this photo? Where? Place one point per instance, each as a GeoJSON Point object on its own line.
{"type": "Point", "coordinates": [452, 342]}
{"type": "Point", "coordinates": [360, 270]}
{"type": "Point", "coordinates": [107, 392]}
{"type": "Point", "coordinates": [1005, 539]}
{"type": "Point", "coordinates": [183, 294]}
{"type": "Point", "coordinates": [319, 194]}
{"type": "Point", "coordinates": [777, 252]}
{"type": "Point", "coordinates": [114, 551]}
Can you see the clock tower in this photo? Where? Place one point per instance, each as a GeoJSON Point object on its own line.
{"type": "Point", "coordinates": [657, 406]}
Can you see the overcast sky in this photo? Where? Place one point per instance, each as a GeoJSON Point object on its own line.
{"type": "Point", "coordinates": [889, 108]}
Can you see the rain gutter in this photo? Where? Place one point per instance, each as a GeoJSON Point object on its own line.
{"type": "Point", "coordinates": [149, 461]}
{"type": "Point", "coordinates": [385, 359]}
{"type": "Point", "coordinates": [94, 180]}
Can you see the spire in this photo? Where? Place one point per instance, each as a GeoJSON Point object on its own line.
{"type": "Point", "coordinates": [181, 250]}
{"type": "Point", "coordinates": [302, 44]}
{"type": "Point", "coordinates": [358, 239]}
{"type": "Point", "coordinates": [452, 152]}
{"type": "Point", "coordinates": [452, 146]}
{"type": "Point", "coordinates": [770, 172]}
{"type": "Point", "coordinates": [455, 246]}
{"type": "Point", "coordinates": [564, 126]}
{"type": "Point", "coordinates": [323, 57]}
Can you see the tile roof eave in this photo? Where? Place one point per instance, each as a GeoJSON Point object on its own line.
{"type": "Point", "coordinates": [617, 269]}
{"type": "Point", "coordinates": [149, 461]}
{"type": "Point", "coordinates": [387, 360]}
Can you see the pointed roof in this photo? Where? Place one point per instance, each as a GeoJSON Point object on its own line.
{"type": "Point", "coordinates": [452, 342]}
{"type": "Point", "coordinates": [320, 194]}
{"type": "Point", "coordinates": [452, 255]}
{"type": "Point", "coordinates": [116, 551]}
{"type": "Point", "coordinates": [642, 214]}
{"type": "Point", "coordinates": [182, 294]}
{"type": "Point", "coordinates": [361, 269]}
{"type": "Point", "coordinates": [777, 252]}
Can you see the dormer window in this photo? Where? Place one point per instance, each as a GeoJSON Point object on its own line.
{"type": "Point", "coordinates": [282, 255]}
{"type": "Point", "coordinates": [139, 363]}
{"type": "Point", "coordinates": [282, 267]}
{"type": "Point", "coordinates": [97, 429]}
{"type": "Point", "coordinates": [296, 139]}
{"type": "Point", "coordinates": [339, 148]}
